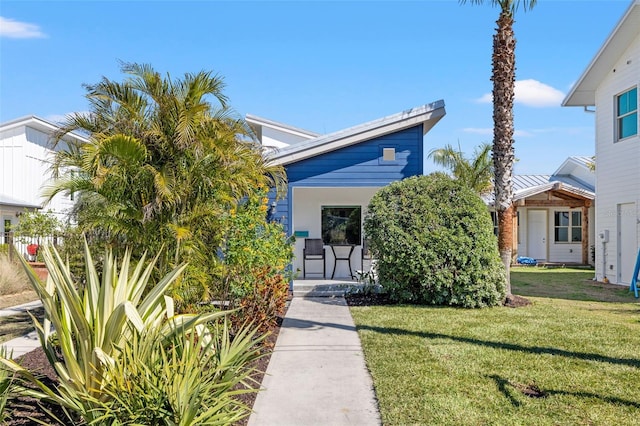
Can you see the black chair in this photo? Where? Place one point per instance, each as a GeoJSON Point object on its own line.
{"type": "Point", "coordinates": [366, 253]}
{"type": "Point", "coordinates": [313, 250]}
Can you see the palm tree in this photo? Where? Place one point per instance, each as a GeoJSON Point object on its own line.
{"type": "Point", "coordinates": [474, 173]}
{"type": "Point", "coordinates": [165, 160]}
{"type": "Point", "coordinates": [503, 75]}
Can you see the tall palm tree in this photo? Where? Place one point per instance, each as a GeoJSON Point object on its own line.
{"type": "Point", "coordinates": [503, 76]}
{"type": "Point", "coordinates": [165, 160]}
{"type": "Point", "coordinates": [475, 172]}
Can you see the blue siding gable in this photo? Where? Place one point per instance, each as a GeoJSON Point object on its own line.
{"type": "Point", "coordinates": [362, 164]}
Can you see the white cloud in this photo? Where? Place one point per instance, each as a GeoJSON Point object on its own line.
{"type": "Point", "coordinates": [478, 131]}
{"type": "Point", "coordinates": [531, 93]}
{"type": "Point", "coordinates": [15, 29]}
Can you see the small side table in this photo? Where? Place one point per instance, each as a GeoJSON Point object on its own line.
{"type": "Point", "coordinates": [337, 258]}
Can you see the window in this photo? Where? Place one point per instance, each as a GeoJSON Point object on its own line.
{"type": "Point", "coordinates": [389, 154]}
{"type": "Point", "coordinates": [494, 219]}
{"type": "Point", "coordinates": [568, 225]}
{"type": "Point", "coordinates": [341, 224]}
{"type": "Point", "coordinates": [627, 114]}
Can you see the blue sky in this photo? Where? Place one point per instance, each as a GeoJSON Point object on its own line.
{"type": "Point", "coordinates": [320, 65]}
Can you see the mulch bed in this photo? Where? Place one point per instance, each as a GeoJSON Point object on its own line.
{"type": "Point", "coordinates": [36, 361]}
{"type": "Point", "coordinates": [513, 301]}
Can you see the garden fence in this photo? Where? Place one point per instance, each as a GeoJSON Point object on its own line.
{"type": "Point", "coordinates": [27, 246]}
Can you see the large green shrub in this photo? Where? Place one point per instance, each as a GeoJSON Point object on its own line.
{"type": "Point", "coordinates": [434, 242]}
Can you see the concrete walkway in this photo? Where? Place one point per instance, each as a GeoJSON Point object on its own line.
{"type": "Point", "coordinates": [23, 344]}
{"type": "Point", "coordinates": [317, 374]}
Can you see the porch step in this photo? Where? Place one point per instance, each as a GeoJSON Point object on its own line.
{"type": "Point", "coordinates": [323, 290]}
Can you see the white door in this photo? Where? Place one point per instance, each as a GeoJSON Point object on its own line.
{"type": "Point", "coordinates": [537, 234]}
{"type": "Point", "coordinates": [627, 242]}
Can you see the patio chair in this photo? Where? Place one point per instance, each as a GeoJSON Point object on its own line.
{"type": "Point", "coordinates": [313, 250]}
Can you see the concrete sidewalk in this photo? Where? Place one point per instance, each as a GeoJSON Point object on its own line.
{"type": "Point", "coordinates": [317, 374]}
{"type": "Point", "coordinates": [23, 344]}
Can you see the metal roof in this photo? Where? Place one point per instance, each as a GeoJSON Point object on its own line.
{"type": "Point", "coordinates": [38, 124]}
{"type": "Point", "coordinates": [16, 202]}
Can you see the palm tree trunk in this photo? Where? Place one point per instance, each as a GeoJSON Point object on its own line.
{"type": "Point", "coordinates": [503, 77]}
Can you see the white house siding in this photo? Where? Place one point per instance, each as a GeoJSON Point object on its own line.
{"type": "Point", "coordinates": [279, 139]}
{"type": "Point", "coordinates": [8, 214]}
{"type": "Point", "coordinates": [24, 168]}
{"type": "Point", "coordinates": [307, 204]}
{"type": "Point", "coordinates": [617, 164]}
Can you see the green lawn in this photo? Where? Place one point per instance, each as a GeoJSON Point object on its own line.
{"type": "Point", "coordinates": [577, 346]}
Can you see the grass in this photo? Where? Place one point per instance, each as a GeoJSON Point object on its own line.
{"type": "Point", "coordinates": [15, 288]}
{"type": "Point", "coordinates": [570, 358]}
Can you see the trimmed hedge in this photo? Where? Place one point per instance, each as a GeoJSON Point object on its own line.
{"type": "Point", "coordinates": [434, 242]}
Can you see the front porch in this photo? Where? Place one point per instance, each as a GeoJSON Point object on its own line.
{"type": "Point", "coordinates": [324, 288]}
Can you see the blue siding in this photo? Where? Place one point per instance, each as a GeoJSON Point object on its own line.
{"type": "Point", "coordinates": [282, 208]}
{"type": "Point", "coordinates": [362, 164]}
{"type": "Point", "coordinates": [356, 165]}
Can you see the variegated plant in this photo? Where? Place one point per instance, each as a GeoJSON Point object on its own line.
{"type": "Point", "coordinates": [89, 323]}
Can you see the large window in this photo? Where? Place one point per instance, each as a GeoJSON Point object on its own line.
{"type": "Point", "coordinates": [627, 114]}
{"type": "Point", "coordinates": [568, 227]}
{"type": "Point", "coordinates": [341, 224]}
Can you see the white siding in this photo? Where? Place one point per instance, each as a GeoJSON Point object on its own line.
{"type": "Point", "coordinates": [24, 161]}
{"type": "Point", "coordinates": [618, 163]}
{"type": "Point", "coordinates": [307, 204]}
{"type": "Point", "coordinates": [279, 139]}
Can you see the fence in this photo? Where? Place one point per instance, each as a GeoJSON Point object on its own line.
{"type": "Point", "coordinates": [21, 245]}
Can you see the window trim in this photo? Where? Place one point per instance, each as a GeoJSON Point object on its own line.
{"type": "Point", "coordinates": [569, 227]}
{"type": "Point", "coordinates": [619, 117]}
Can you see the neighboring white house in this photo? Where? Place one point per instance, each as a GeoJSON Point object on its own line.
{"type": "Point", "coordinates": [272, 134]}
{"type": "Point", "coordinates": [555, 213]}
{"type": "Point", "coordinates": [610, 83]}
{"type": "Point", "coordinates": [25, 156]}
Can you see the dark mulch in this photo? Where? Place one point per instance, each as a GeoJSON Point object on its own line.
{"type": "Point", "coordinates": [367, 299]}
{"type": "Point", "coordinates": [26, 409]}
{"type": "Point", "coordinates": [513, 301]}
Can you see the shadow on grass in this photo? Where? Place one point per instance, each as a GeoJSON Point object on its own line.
{"type": "Point", "coordinates": [568, 285]}
{"type": "Point", "coordinates": [538, 350]}
{"type": "Point", "coordinates": [508, 389]}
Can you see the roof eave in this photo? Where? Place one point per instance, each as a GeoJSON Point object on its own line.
{"type": "Point", "coordinates": [583, 93]}
{"type": "Point", "coordinates": [38, 124]}
{"type": "Point", "coordinates": [428, 115]}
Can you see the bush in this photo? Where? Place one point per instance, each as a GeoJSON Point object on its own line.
{"type": "Point", "coordinates": [252, 270]}
{"type": "Point", "coordinates": [187, 382]}
{"type": "Point", "coordinates": [434, 242]}
{"type": "Point", "coordinates": [13, 280]}
{"type": "Point", "coordinates": [92, 323]}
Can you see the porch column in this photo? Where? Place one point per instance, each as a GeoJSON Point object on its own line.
{"type": "Point", "coordinates": [585, 233]}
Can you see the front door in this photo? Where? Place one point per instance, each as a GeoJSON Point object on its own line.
{"type": "Point", "coordinates": [537, 234]}
{"type": "Point", "coordinates": [627, 242]}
